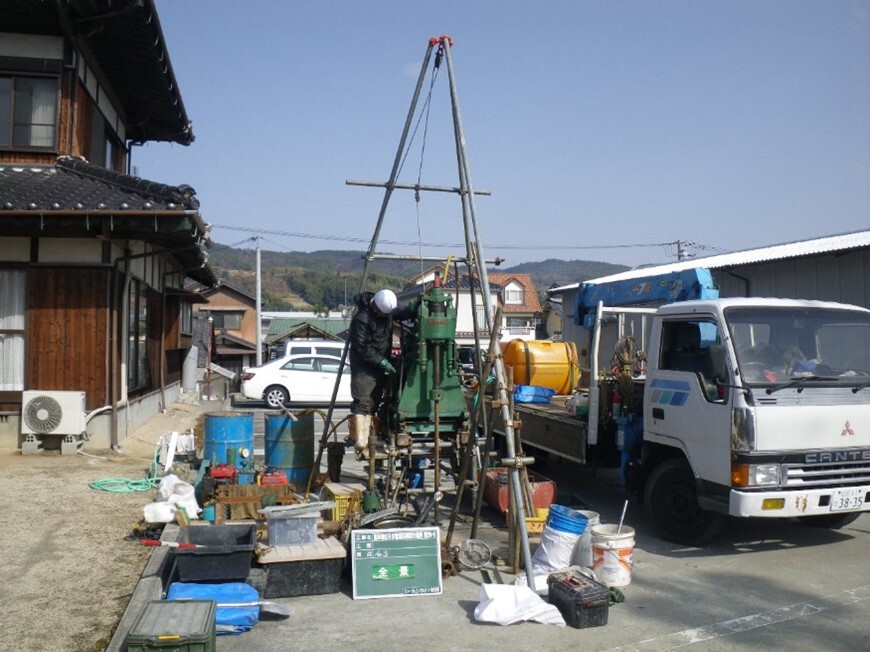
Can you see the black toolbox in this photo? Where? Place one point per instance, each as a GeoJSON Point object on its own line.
{"type": "Point", "coordinates": [583, 602]}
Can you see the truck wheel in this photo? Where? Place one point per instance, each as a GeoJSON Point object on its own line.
{"type": "Point", "coordinates": [830, 521]}
{"type": "Point", "coordinates": [671, 502]}
{"type": "Point", "coordinates": [276, 396]}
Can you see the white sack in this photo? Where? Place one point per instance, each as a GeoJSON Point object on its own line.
{"type": "Point", "coordinates": [167, 484]}
{"type": "Point", "coordinates": [506, 604]}
{"type": "Point", "coordinates": [555, 551]}
{"type": "Point", "coordinates": [159, 512]}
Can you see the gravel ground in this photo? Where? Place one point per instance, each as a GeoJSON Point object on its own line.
{"type": "Point", "coordinates": [67, 570]}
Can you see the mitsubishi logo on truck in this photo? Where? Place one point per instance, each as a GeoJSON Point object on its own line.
{"type": "Point", "coordinates": [847, 430]}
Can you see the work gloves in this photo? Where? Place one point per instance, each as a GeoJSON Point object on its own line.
{"type": "Point", "coordinates": [386, 366]}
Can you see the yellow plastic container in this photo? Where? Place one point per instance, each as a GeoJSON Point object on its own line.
{"type": "Point", "coordinates": [544, 364]}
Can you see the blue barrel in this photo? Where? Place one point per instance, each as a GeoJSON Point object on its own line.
{"type": "Point", "coordinates": [290, 446]}
{"type": "Point", "coordinates": [226, 433]}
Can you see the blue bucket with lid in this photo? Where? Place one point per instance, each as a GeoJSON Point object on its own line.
{"type": "Point", "coordinates": [565, 519]}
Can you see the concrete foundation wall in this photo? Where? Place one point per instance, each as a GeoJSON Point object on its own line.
{"type": "Point", "coordinates": [99, 427]}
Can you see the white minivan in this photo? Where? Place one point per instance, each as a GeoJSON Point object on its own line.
{"type": "Point", "coordinates": [307, 347]}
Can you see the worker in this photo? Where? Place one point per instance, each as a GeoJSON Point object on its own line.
{"type": "Point", "coordinates": [371, 338]}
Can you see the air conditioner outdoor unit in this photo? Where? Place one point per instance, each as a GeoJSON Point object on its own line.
{"type": "Point", "coordinates": [52, 413]}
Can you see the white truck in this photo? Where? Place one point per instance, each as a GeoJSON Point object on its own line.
{"type": "Point", "coordinates": [749, 407]}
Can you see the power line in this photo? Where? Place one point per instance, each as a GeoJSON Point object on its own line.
{"type": "Point", "coordinates": [337, 238]}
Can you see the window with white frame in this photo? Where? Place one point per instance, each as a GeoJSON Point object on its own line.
{"type": "Point", "coordinates": [28, 111]}
{"type": "Point", "coordinates": [12, 286]}
{"type": "Point", "coordinates": [514, 295]}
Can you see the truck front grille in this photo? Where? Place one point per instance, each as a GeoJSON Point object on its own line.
{"type": "Point", "coordinates": [825, 475]}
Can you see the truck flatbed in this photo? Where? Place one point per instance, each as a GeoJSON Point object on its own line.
{"type": "Point", "coordinates": [550, 427]}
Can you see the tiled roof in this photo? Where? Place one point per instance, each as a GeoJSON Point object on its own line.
{"type": "Point", "coordinates": [76, 199]}
{"type": "Point", "coordinates": [126, 41]}
{"type": "Point", "coordinates": [74, 184]}
{"type": "Point", "coordinates": [531, 303]}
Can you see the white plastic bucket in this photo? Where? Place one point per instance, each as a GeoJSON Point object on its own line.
{"type": "Point", "coordinates": [613, 554]}
{"type": "Point", "coordinates": [582, 555]}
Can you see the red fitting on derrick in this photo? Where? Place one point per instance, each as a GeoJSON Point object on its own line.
{"type": "Point", "coordinates": [434, 41]}
{"type": "Point", "coordinates": [446, 40]}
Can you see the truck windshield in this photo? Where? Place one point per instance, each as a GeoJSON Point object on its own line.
{"type": "Point", "coordinates": [782, 344]}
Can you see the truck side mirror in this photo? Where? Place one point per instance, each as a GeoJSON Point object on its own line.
{"type": "Point", "coordinates": [717, 368]}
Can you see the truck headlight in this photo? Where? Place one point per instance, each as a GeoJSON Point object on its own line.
{"type": "Point", "coordinates": [755, 475]}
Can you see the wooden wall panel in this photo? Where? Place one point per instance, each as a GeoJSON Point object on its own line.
{"type": "Point", "coordinates": [154, 338]}
{"type": "Point", "coordinates": [67, 315]}
{"type": "Point", "coordinates": [172, 323]}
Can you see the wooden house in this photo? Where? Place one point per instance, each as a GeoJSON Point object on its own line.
{"type": "Point", "coordinates": [93, 260]}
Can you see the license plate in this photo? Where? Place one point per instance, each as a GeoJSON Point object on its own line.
{"type": "Point", "coordinates": [843, 499]}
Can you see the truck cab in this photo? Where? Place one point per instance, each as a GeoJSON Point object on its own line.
{"type": "Point", "coordinates": [755, 408]}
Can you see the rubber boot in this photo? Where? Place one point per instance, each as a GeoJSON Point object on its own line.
{"type": "Point", "coordinates": [334, 458]}
{"type": "Point", "coordinates": [350, 440]}
{"type": "Point", "coordinates": [360, 425]}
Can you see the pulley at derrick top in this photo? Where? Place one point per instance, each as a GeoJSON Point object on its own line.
{"type": "Point", "coordinates": [437, 315]}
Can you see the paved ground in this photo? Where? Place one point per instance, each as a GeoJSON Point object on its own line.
{"type": "Point", "coordinates": [68, 574]}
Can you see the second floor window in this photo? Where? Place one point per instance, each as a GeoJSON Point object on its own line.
{"type": "Point", "coordinates": [232, 321]}
{"type": "Point", "coordinates": [28, 111]}
{"type": "Point", "coordinates": [514, 296]}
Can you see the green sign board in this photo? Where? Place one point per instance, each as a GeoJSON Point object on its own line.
{"type": "Point", "coordinates": [396, 562]}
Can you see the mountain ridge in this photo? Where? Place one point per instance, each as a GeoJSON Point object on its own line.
{"type": "Point", "coordinates": [328, 279]}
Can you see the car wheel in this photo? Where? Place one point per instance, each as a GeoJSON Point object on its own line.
{"type": "Point", "coordinates": [671, 501]}
{"type": "Point", "coordinates": [276, 396]}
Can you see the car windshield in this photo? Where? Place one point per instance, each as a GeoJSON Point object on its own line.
{"type": "Point", "coordinates": [822, 346]}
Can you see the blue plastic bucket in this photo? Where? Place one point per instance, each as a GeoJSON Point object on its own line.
{"type": "Point", "coordinates": [290, 446]}
{"type": "Point", "coordinates": [565, 519]}
{"type": "Point", "coordinates": [228, 431]}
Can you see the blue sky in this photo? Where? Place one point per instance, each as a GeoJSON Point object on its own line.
{"type": "Point", "coordinates": [594, 124]}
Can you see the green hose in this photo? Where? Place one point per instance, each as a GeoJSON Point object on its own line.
{"type": "Point", "coordinates": [126, 485]}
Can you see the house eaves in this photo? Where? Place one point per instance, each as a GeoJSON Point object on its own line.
{"type": "Point", "coordinates": [122, 41]}
{"type": "Point", "coordinates": [74, 199]}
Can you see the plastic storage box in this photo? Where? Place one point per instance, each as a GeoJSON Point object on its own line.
{"type": "Point", "coordinates": [166, 625]}
{"type": "Point", "coordinates": [303, 570]}
{"type": "Point", "coordinates": [287, 530]}
{"type": "Point", "coordinates": [225, 554]}
{"type": "Point", "coordinates": [583, 602]}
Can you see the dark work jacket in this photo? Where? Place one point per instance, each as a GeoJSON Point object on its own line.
{"type": "Point", "coordinates": [371, 335]}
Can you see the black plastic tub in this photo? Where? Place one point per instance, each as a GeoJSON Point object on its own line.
{"type": "Point", "coordinates": [225, 555]}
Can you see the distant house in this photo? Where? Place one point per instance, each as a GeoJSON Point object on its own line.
{"type": "Point", "coordinates": [284, 331]}
{"type": "Point", "coordinates": [93, 261]}
{"type": "Point", "coordinates": [515, 293]}
{"type": "Point", "coordinates": [520, 305]}
{"type": "Point", "coordinates": [230, 315]}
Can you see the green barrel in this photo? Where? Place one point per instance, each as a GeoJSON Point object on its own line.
{"type": "Point", "coordinates": [290, 446]}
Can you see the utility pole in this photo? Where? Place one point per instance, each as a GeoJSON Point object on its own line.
{"type": "Point", "coordinates": [259, 307]}
{"type": "Point", "coordinates": [683, 250]}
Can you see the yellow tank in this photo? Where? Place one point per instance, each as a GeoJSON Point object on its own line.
{"type": "Point", "coordinates": [544, 364]}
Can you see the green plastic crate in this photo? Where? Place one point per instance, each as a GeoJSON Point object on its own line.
{"type": "Point", "coordinates": [166, 625]}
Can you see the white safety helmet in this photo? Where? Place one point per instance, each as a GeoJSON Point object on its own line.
{"type": "Point", "coordinates": [385, 301]}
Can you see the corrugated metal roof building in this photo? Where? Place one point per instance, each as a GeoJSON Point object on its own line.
{"type": "Point", "coordinates": [830, 268]}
